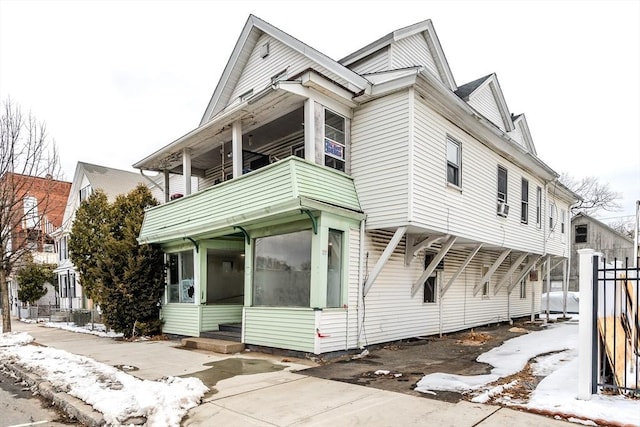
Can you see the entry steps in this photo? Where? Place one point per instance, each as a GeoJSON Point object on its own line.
{"type": "Point", "coordinates": [226, 340]}
{"type": "Point", "coordinates": [213, 344]}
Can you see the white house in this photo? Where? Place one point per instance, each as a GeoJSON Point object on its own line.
{"type": "Point", "coordinates": [351, 202]}
{"type": "Point", "coordinates": [113, 182]}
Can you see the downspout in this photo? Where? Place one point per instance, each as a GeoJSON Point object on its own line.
{"type": "Point", "coordinates": [360, 304]}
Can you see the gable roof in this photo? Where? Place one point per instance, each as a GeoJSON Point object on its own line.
{"type": "Point", "coordinates": [251, 32]}
{"type": "Point", "coordinates": [520, 124]}
{"type": "Point", "coordinates": [112, 181]}
{"type": "Point", "coordinates": [420, 27]}
{"type": "Point", "coordinates": [580, 215]}
{"type": "Point", "coordinates": [467, 91]}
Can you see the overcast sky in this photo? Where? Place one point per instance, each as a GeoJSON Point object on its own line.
{"type": "Point", "coordinates": [117, 80]}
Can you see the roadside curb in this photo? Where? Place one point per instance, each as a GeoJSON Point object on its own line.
{"type": "Point", "coordinates": [72, 406]}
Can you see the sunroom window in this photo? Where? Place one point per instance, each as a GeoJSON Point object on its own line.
{"type": "Point", "coordinates": [334, 269]}
{"type": "Point", "coordinates": [181, 284]}
{"type": "Point", "coordinates": [334, 140]}
{"type": "Point", "coordinates": [282, 270]}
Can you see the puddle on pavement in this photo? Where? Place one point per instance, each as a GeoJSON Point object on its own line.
{"type": "Point", "coordinates": [227, 368]}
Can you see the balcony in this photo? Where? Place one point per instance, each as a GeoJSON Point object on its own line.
{"type": "Point", "coordinates": [288, 189]}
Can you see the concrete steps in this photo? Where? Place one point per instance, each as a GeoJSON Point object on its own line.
{"type": "Point", "coordinates": [214, 345]}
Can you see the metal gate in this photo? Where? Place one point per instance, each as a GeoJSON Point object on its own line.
{"type": "Point", "coordinates": [616, 327]}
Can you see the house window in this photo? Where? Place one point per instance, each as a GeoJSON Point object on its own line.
{"type": "Point", "coordinates": [62, 280]}
{"type": "Point", "coordinates": [563, 215]}
{"type": "Point", "coordinates": [298, 151]}
{"type": "Point", "coordinates": [334, 140]}
{"type": "Point", "coordinates": [85, 192]}
{"type": "Point", "coordinates": [430, 289]}
{"type": "Point", "coordinates": [30, 204]}
{"type": "Point", "coordinates": [334, 269]}
{"type": "Point", "coordinates": [453, 161]}
{"type": "Point", "coordinates": [485, 286]}
{"type": "Point", "coordinates": [552, 216]}
{"type": "Point", "coordinates": [502, 185]}
{"type": "Point", "coordinates": [181, 283]}
{"type": "Point", "coordinates": [581, 233]}
{"type": "Point", "coordinates": [64, 254]}
{"type": "Point", "coordinates": [524, 204]}
{"type": "Point", "coordinates": [282, 270]}
{"type": "Point", "coordinates": [539, 207]}
{"type": "Point", "coordinates": [523, 289]}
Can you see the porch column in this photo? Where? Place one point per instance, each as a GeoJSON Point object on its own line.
{"type": "Point", "coordinates": [186, 170]}
{"type": "Point", "coordinates": [309, 131]}
{"type": "Point", "coordinates": [236, 148]}
{"type": "Point", "coordinates": [167, 191]}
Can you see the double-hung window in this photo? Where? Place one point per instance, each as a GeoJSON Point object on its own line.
{"type": "Point", "coordinates": [454, 161]}
{"type": "Point", "coordinates": [552, 216]}
{"type": "Point", "coordinates": [502, 185]}
{"type": "Point", "coordinates": [524, 204]}
{"type": "Point", "coordinates": [539, 207]}
{"type": "Point", "coordinates": [334, 140]}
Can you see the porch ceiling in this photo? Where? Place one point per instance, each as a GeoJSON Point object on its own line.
{"type": "Point", "coordinates": [279, 190]}
{"type": "Point", "coordinates": [205, 141]}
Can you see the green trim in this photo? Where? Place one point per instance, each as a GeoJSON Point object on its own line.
{"type": "Point", "coordinates": [314, 223]}
{"type": "Point", "coordinates": [246, 234]}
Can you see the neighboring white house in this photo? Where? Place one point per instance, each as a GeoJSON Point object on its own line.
{"type": "Point", "coordinates": [113, 182]}
{"type": "Point", "coordinates": [353, 202]}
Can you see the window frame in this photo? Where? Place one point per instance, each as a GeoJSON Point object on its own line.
{"type": "Point", "coordinates": [456, 167]}
{"type": "Point", "coordinates": [502, 196]}
{"type": "Point", "coordinates": [179, 286]}
{"type": "Point", "coordinates": [582, 234]}
{"type": "Point", "coordinates": [341, 261]}
{"type": "Point", "coordinates": [539, 206]}
{"type": "Point", "coordinates": [524, 201]}
{"type": "Point", "coordinates": [255, 289]}
{"type": "Point", "coordinates": [333, 160]}
{"type": "Point", "coordinates": [523, 288]}
{"type": "Point", "coordinates": [552, 217]}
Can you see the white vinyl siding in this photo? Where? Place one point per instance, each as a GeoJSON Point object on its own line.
{"type": "Point", "coordinates": [258, 71]}
{"type": "Point", "coordinates": [377, 61]}
{"type": "Point", "coordinates": [484, 102]}
{"type": "Point", "coordinates": [412, 51]}
{"type": "Point", "coordinates": [470, 213]}
{"type": "Point", "coordinates": [391, 313]}
{"type": "Point", "coordinates": [379, 159]}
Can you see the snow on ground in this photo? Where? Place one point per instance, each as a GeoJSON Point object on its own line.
{"type": "Point", "coordinates": [116, 394]}
{"type": "Point", "coordinates": [97, 329]}
{"type": "Point", "coordinates": [556, 393]}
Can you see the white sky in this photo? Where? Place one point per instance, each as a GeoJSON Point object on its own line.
{"type": "Point", "coordinates": [117, 80]}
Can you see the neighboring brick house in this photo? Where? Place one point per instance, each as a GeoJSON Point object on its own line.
{"type": "Point", "coordinates": [38, 205]}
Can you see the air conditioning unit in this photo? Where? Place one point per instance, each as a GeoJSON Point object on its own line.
{"type": "Point", "coordinates": [503, 209]}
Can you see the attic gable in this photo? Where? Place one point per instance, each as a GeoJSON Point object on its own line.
{"type": "Point", "coordinates": [485, 96]}
{"type": "Point", "coordinates": [521, 133]}
{"type": "Point", "coordinates": [415, 45]}
{"type": "Point", "coordinates": [264, 52]}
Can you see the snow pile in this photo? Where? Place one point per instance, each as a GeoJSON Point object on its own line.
{"type": "Point", "coordinates": [508, 359]}
{"type": "Point", "coordinates": [116, 394]}
{"type": "Point", "coordinates": [15, 338]}
{"type": "Point", "coordinates": [98, 329]}
{"type": "Point", "coordinates": [556, 393]}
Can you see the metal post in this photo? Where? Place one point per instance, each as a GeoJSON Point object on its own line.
{"type": "Point", "coordinates": [635, 234]}
{"type": "Point", "coordinates": [585, 328]}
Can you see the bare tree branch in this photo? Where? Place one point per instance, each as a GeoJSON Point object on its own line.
{"type": "Point", "coordinates": [28, 164]}
{"type": "Point", "coordinates": [596, 196]}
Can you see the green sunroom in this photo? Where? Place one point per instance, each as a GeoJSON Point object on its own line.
{"type": "Point", "coordinates": [269, 250]}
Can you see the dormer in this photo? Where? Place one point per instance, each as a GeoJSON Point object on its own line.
{"type": "Point", "coordinates": [521, 134]}
{"type": "Point", "coordinates": [413, 46]}
{"type": "Point", "coordinates": [485, 96]}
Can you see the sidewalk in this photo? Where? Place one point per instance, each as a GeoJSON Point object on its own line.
{"type": "Point", "coordinates": [282, 398]}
